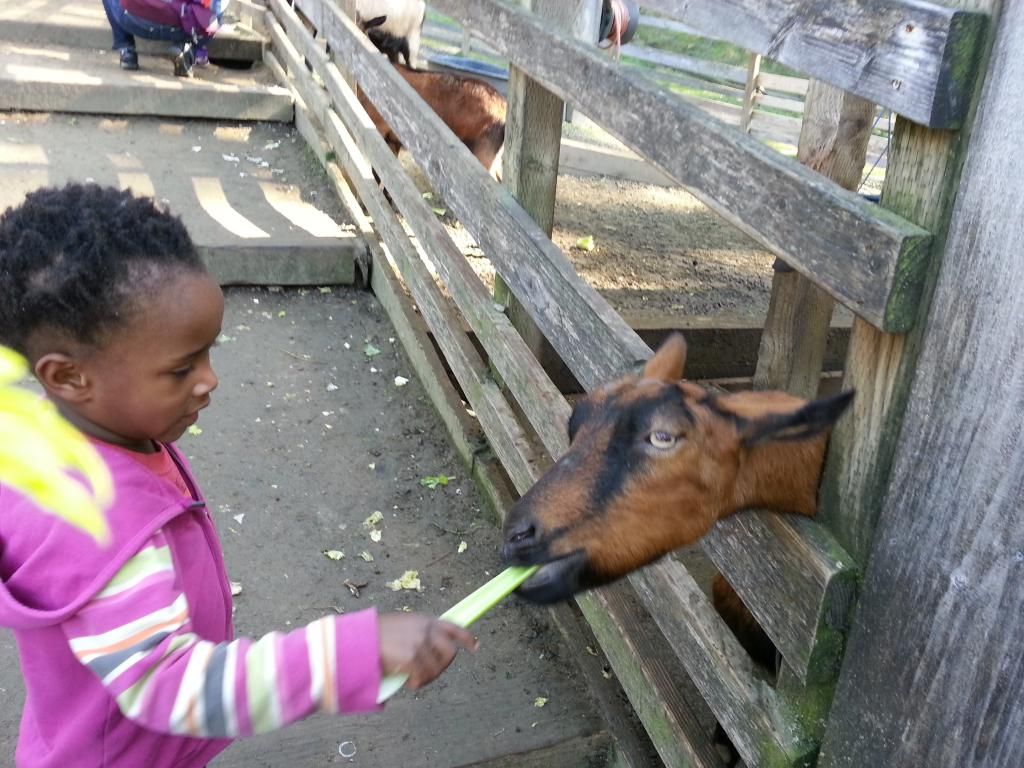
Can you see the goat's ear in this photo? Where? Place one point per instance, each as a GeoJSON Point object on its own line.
{"type": "Point", "coordinates": [805, 422]}
{"type": "Point", "coordinates": [668, 362]}
{"type": "Point", "coordinates": [376, 21]}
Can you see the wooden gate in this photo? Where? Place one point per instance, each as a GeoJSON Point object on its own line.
{"type": "Point", "coordinates": [799, 577]}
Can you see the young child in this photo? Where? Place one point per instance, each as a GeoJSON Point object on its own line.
{"type": "Point", "coordinates": [127, 651]}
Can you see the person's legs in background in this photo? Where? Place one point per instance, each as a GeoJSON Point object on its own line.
{"type": "Point", "coordinates": [124, 41]}
{"type": "Point", "coordinates": [130, 26]}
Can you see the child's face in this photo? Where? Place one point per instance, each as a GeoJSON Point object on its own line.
{"type": "Point", "coordinates": [152, 378]}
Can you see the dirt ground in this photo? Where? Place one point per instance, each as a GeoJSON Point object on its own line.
{"type": "Point", "coordinates": [658, 252]}
{"type": "Point", "coordinates": [307, 437]}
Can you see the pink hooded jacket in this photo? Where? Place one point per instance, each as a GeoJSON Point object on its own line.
{"type": "Point", "coordinates": [49, 571]}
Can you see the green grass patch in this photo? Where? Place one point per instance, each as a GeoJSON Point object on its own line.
{"type": "Point", "coordinates": [704, 48]}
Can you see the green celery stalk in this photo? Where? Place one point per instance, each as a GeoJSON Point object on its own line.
{"type": "Point", "coordinates": [466, 611]}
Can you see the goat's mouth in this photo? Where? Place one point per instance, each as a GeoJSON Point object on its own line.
{"type": "Point", "coordinates": [556, 580]}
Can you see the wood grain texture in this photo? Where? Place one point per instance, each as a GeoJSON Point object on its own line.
{"type": "Point", "coordinates": [538, 397]}
{"type": "Point", "coordinates": [833, 141]}
{"type": "Point", "coordinates": [921, 182]}
{"type": "Point", "coordinates": [533, 136]}
{"type": "Point", "coordinates": [937, 645]}
{"type": "Point", "coordinates": [633, 747]}
{"type": "Point", "coordinates": [795, 336]}
{"type": "Point", "coordinates": [864, 256]}
{"type": "Point", "coordinates": [660, 691]}
{"type": "Point", "coordinates": [917, 58]}
{"type": "Point", "coordinates": [582, 327]}
{"type": "Point", "coordinates": [466, 435]}
{"type": "Point", "coordinates": [801, 594]}
{"type": "Point", "coordinates": [760, 727]}
{"type": "Point", "coordinates": [503, 431]}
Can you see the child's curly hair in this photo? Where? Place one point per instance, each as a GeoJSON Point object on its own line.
{"type": "Point", "coordinates": [76, 259]}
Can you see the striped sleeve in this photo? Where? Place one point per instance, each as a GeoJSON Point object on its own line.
{"type": "Point", "coordinates": [137, 638]}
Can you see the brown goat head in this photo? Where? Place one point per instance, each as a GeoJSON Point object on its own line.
{"type": "Point", "coordinates": [653, 463]}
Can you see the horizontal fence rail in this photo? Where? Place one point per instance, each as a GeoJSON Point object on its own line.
{"type": "Point", "coordinates": [914, 57]}
{"type": "Point", "coordinates": [868, 258]}
{"type": "Point", "coordinates": [716, 88]}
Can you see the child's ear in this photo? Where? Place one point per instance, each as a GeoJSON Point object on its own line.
{"type": "Point", "coordinates": [808, 421]}
{"type": "Point", "coordinates": [62, 377]}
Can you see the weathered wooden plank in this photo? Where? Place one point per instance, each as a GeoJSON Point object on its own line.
{"type": "Point", "coordinates": [802, 591]}
{"type": "Point", "coordinates": [633, 747]}
{"type": "Point", "coordinates": [581, 750]}
{"type": "Point", "coordinates": [646, 20]}
{"type": "Point", "coordinates": [750, 92]}
{"type": "Point", "coordinates": [646, 667]}
{"type": "Point", "coordinates": [582, 327]}
{"type": "Point", "coordinates": [533, 135]}
{"type": "Point", "coordinates": [920, 185]}
{"type": "Point", "coordinates": [538, 397]}
{"type": "Point", "coordinates": [834, 142]}
{"type": "Point", "coordinates": [496, 417]}
{"type": "Point", "coordinates": [760, 729]}
{"type": "Point", "coordinates": [918, 58]}
{"type": "Point", "coordinates": [464, 431]}
{"type": "Point", "coordinates": [866, 257]}
{"type": "Point", "coordinates": [935, 662]}
{"type": "Point", "coordinates": [506, 348]}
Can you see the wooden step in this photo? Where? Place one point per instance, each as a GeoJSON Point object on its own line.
{"type": "Point", "coordinates": [253, 223]}
{"type": "Point", "coordinates": [81, 80]}
{"type": "Point", "coordinates": [83, 24]}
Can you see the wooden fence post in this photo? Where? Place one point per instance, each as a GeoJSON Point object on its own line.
{"type": "Point", "coordinates": [920, 183]}
{"type": "Point", "coordinates": [935, 662]}
{"type": "Point", "coordinates": [750, 92]}
{"type": "Point", "coordinates": [833, 141]}
{"type": "Point", "coordinates": [533, 138]}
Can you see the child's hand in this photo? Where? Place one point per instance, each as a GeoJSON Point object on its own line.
{"type": "Point", "coordinates": [419, 646]}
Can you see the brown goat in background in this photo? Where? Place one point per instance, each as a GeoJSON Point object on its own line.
{"type": "Point", "coordinates": [473, 109]}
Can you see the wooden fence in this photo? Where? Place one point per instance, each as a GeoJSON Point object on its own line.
{"type": "Point", "coordinates": [799, 577]}
{"type": "Point", "coordinates": [766, 105]}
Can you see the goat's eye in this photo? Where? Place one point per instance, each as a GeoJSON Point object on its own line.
{"type": "Point", "coordinates": [661, 439]}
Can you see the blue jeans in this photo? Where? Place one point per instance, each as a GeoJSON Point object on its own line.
{"type": "Point", "coordinates": [126, 27]}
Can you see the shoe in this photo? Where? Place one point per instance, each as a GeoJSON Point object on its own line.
{"type": "Point", "coordinates": [129, 59]}
{"type": "Point", "coordinates": [202, 56]}
{"type": "Point", "coordinates": [184, 61]}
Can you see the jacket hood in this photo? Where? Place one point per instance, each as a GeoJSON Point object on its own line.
{"type": "Point", "coordinates": [49, 569]}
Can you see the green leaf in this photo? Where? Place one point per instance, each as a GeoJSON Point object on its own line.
{"type": "Point", "coordinates": [585, 243]}
{"type": "Point", "coordinates": [370, 351]}
{"type": "Point", "coordinates": [334, 554]}
{"type": "Point", "coordinates": [432, 481]}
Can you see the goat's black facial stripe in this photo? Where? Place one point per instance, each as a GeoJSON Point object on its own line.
{"type": "Point", "coordinates": [711, 402]}
{"type": "Point", "coordinates": [621, 460]}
